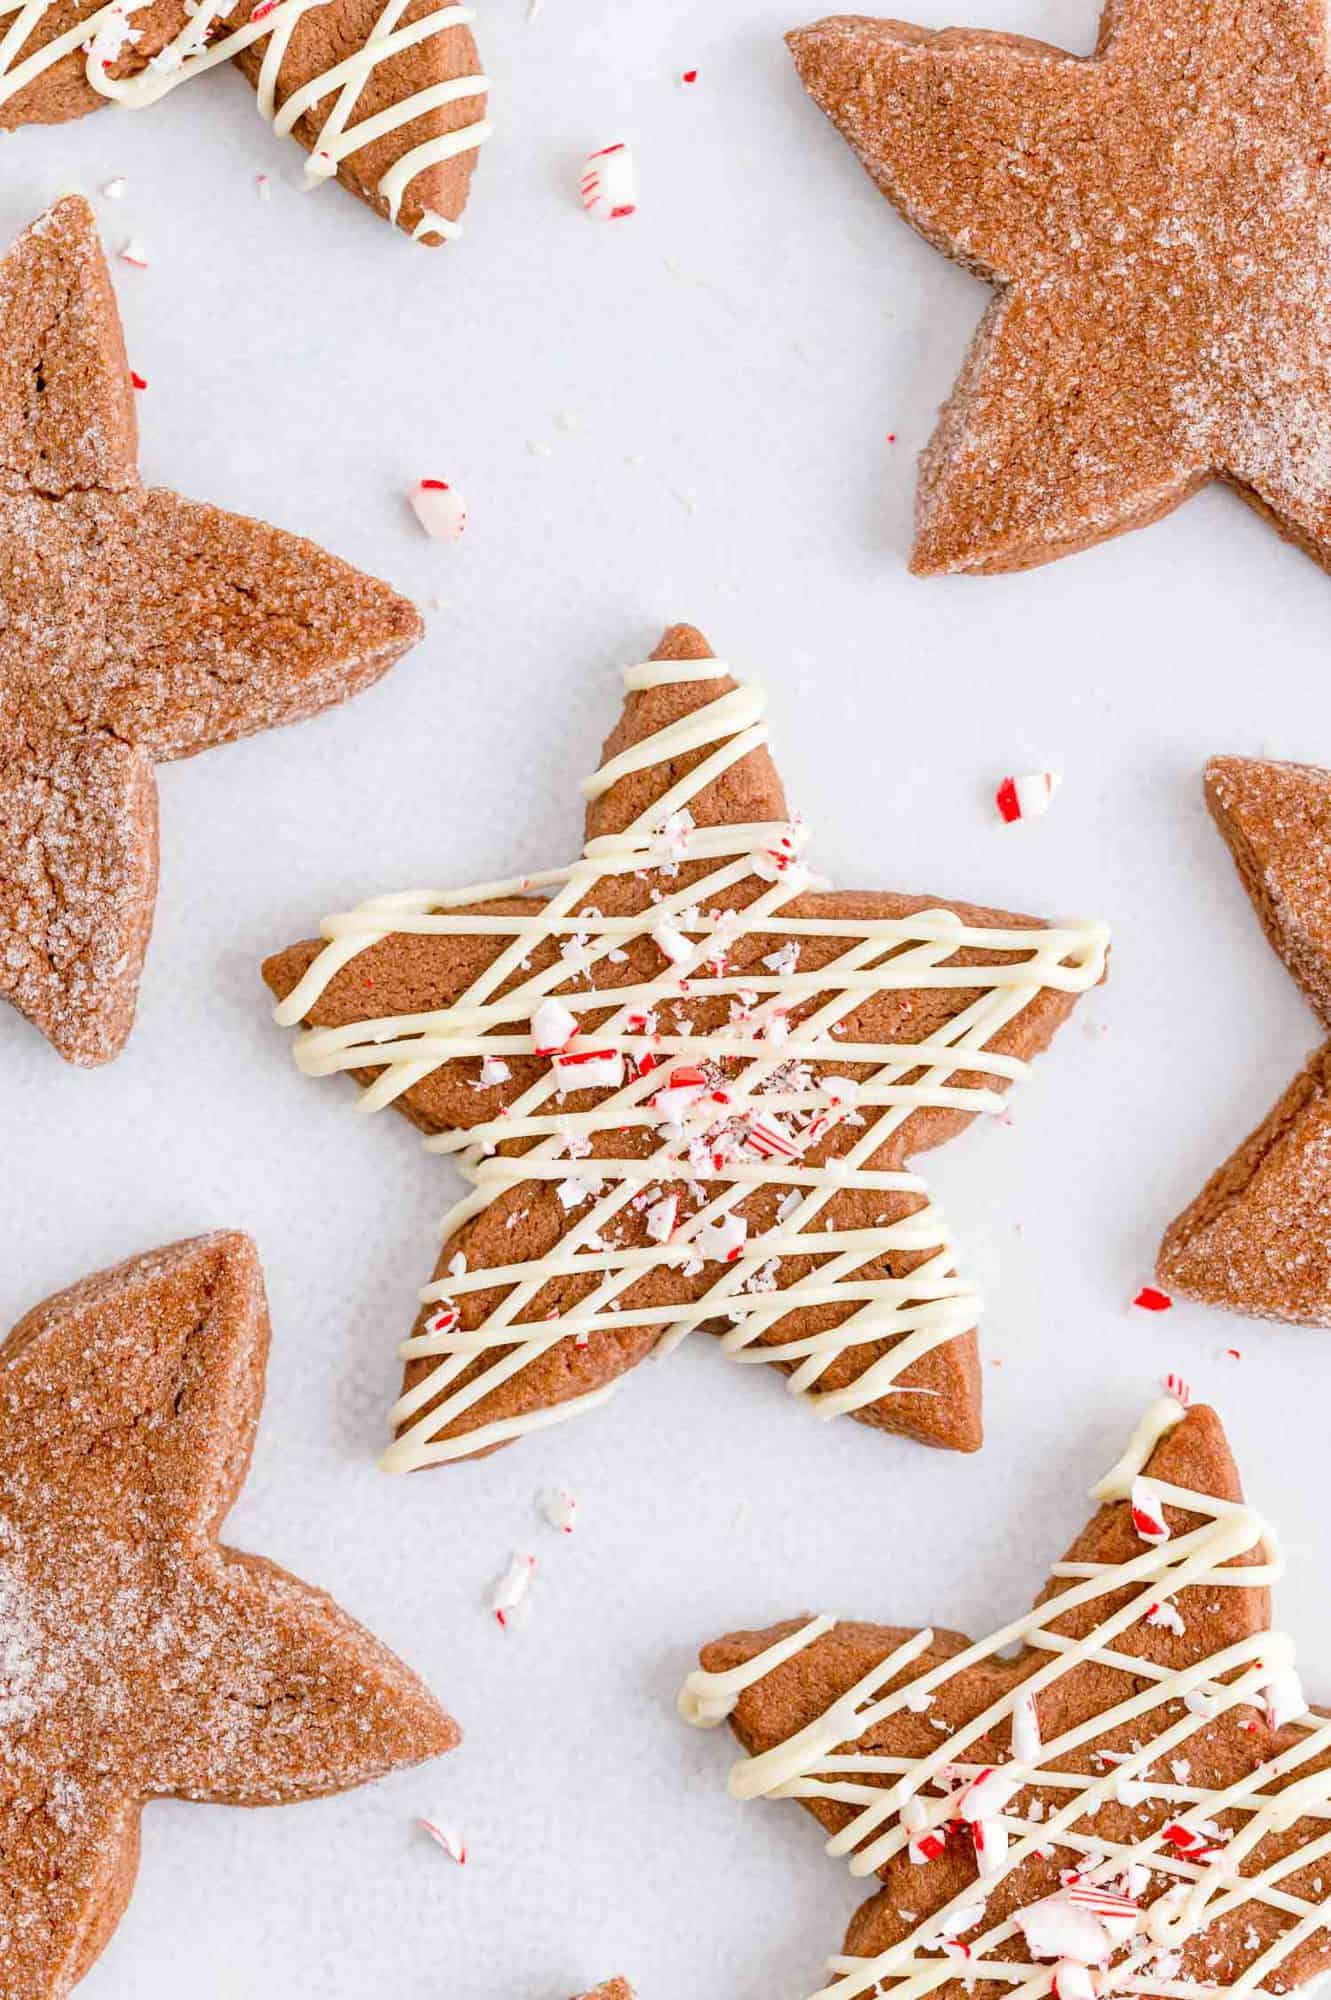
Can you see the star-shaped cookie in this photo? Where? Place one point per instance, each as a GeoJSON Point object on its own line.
{"type": "Point", "coordinates": [1155, 220]}
{"type": "Point", "coordinates": [134, 626]}
{"type": "Point", "coordinates": [614, 1989]}
{"type": "Point", "coordinates": [386, 95]}
{"type": "Point", "coordinates": [1121, 1791]}
{"type": "Point", "coordinates": [1258, 1237]}
{"type": "Point", "coordinates": [138, 1658]}
{"type": "Point", "coordinates": [686, 1080]}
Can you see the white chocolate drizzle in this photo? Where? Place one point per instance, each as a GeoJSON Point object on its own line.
{"type": "Point", "coordinates": [104, 33]}
{"type": "Point", "coordinates": [721, 1133]}
{"type": "Point", "coordinates": [895, 1797]}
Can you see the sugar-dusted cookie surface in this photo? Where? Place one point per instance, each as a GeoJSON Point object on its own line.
{"type": "Point", "coordinates": [387, 95]}
{"type": "Point", "coordinates": [1123, 1790]}
{"type": "Point", "coordinates": [138, 1657]}
{"type": "Point", "coordinates": [1257, 1239]}
{"type": "Point", "coordinates": [1154, 219]}
{"type": "Point", "coordinates": [137, 626]}
{"type": "Point", "coordinates": [687, 1080]}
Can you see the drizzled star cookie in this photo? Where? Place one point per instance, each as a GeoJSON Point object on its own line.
{"type": "Point", "coordinates": [1122, 1791]}
{"type": "Point", "coordinates": [1154, 219]}
{"type": "Point", "coordinates": [135, 626]}
{"type": "Point", "coordinates": [385, 95]}
{"type": "Point", "coordinates": [139, 1658]}
{"type": "Point", "coordinates": [685, 1079]}
{"type": "Point", "coordinates": [1257, 1239]}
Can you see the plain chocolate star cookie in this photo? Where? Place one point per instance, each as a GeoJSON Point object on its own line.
{"type": "Point", "coordinates": [1258, 1237]}
{"type": "Point", "coordinates": [134, 626]}
{"type": "Point", "coordinates": [686, 1079]}
{"type": "Point", "coordinates": [138, 1658]}
{"type": "Point", "coordinates": [1122, 1791]}
{"type": "Point", "coordinates": [1155, 220]}
{"type": "Point", "coordinates": [386, 95]}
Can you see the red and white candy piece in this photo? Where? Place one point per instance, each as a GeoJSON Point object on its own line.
{"type": "Point", "coordinates": [610, 183]}
{"type": "Point", "coordinates": [1283, 1699]}
{"type": "Point", "coordinates": [133, 252]}
{"type": "Point", "coordinates": [991, 1843]}
{"type": "Point", "coordinates": [509, 1601]}
{"type": "Point", "coordinates": [1026, 797]}
{"type": "Point", "coordinates": [671, 942]}
{"type": "Point", "coordinates": [1152, 1300]}
{"type": "Point", "coordinates": [989, 1793]}
{"type": "Point", "coordinates": [769, 1138]}
{"type": "Point", "coordinates": [1072, 1981]}
{"type": "Point", "coordinates": [721, 1241]}
{"type": "Point", "coordinates": [661, 1218]}
{"type": "Point", "coordinates": [439, 508]}
{"type": "Point", "coordinates": [1180, 1390]}
{"type": "Point", "coordinates": [560, 1508]}
{"type": "Point", "coordinates": [1084, 1923]}
{"type": "Point", "coordinates": [682, 1088]}
{"type": "Point", "coordinates": [1026, 1730]}
{"type": "Point", "coordinates": [1148, 1515]}
{"type": "Point", "coordinates": [552, 1028]}
{"type": "Point", "coordinates": [443, 1319]}
{"type": "Point", "coordinates": [447, 1837]}
{"type": "Point", "coordinates": [590, 1069]}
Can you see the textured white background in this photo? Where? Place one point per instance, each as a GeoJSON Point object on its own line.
{"type": "Point", "coordinates": [715, 381]}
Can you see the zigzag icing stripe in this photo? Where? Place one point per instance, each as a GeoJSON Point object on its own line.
{"type": "Point", "coordinates": [721, 1133]}
{"type": "Point", "coordinates": [190, 51]}
{"type": "Point", "coordinates": [888, 1816]}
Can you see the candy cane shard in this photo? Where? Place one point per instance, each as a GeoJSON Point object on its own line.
{"type": "Point", "coordinates": [386, 96]}
{"type": "Point", "coordinates": [717, 1071]}
{"type": "Point", "coordinates": [1166, 1795]}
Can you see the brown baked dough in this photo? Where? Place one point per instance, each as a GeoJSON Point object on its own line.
{"type": "Point", "coordinates": [938, 1398]}
{"type": "Point", "coordinates": [1195, 1456]}
{"type": "Point", "coordinates": [1154, 219]}
{"type": "Point", "coordinates": [139, 1658]}
{"type": "Point", "coordinates": [134, 626]}
{"type": "Point", "coordinates": [1257, 1239]}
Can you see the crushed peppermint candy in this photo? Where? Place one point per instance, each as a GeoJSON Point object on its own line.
{"type": "Point", "coordinates": [662, 1217]}
{"type": "Point", "coordinates": [509, 1600]}
{"type": "Point", "coordinates": [590, 1069]}
{"type": "Point", "coordinates": [1166, 1617]}
{"type": "Point", "coordinates": [132, 251]}
{"type": "Point", "coordinates": [447, 1837]}
{"type": "Point", "coordinates": [494, 1070]}
{"type": "Point", "coordinates": [439, 508]}
{"type": "Point", "coordinates": [1152, 1300]}
{"type": "Point", "coordinates": [610, 183]}
{"type": "Point", "coordinates": [552, 1028]}
{"type": "Point", "coordinates": [1025, 1730]}
{"type": "Point", "coordinates": [1282, 1698]}
{"type": "Point", "coordinates": [115, 187]}
{"type": "Point", "coordinates": [560, 1508]}
{"type": "Point", "coordinates": [722, 1240]}
{"type": "Point", "coordinates": [1176, 1387]}
{"type": "Point", "coordinates": [1026, 797]}
{"type": "Point", "coordinates": [672, 943]}
{"type": "Point", "coordinates": [1148, 1516]}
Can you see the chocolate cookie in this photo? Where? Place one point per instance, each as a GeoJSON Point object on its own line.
{"type": "Point", "coordinates": [386, 95]}
{"type": "Point", "coordinates": [1257, 1239]}
{"type": "Point", "coordinates": [139, 1658]}
{"type": "Point", "coordinates": [1121, 1791]}
{"type": "Point", "coordinates": [686, 1079]}
{"type": "Point", "coordinates": [1154, 220]}
{"type": "Point", "coordinates": [136, 626]}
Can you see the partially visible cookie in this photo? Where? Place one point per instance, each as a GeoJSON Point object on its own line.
{"type": "Point", "coordinates": [389, 98]}
{"type": "Point", "coordinates": [139, 1658]}
{"type": "Point", "coordinates": [136, 626]}
{"type": "Point", "coordinates": [1121, 1790]}
{"type": "Point", "coordinates": [1257, 1239]}
{"type": "Point", "coordinates": [614, 1989]}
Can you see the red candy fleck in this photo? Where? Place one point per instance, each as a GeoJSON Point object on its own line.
{"type": "Point", "coordinates": [690, 76]}
{"type": "Point", "coordinates": [1005, 798]}
{"type": "Point", "coordinates": [1152, 1301]}
{"type": "Point", "coordinates": [137, 379]}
